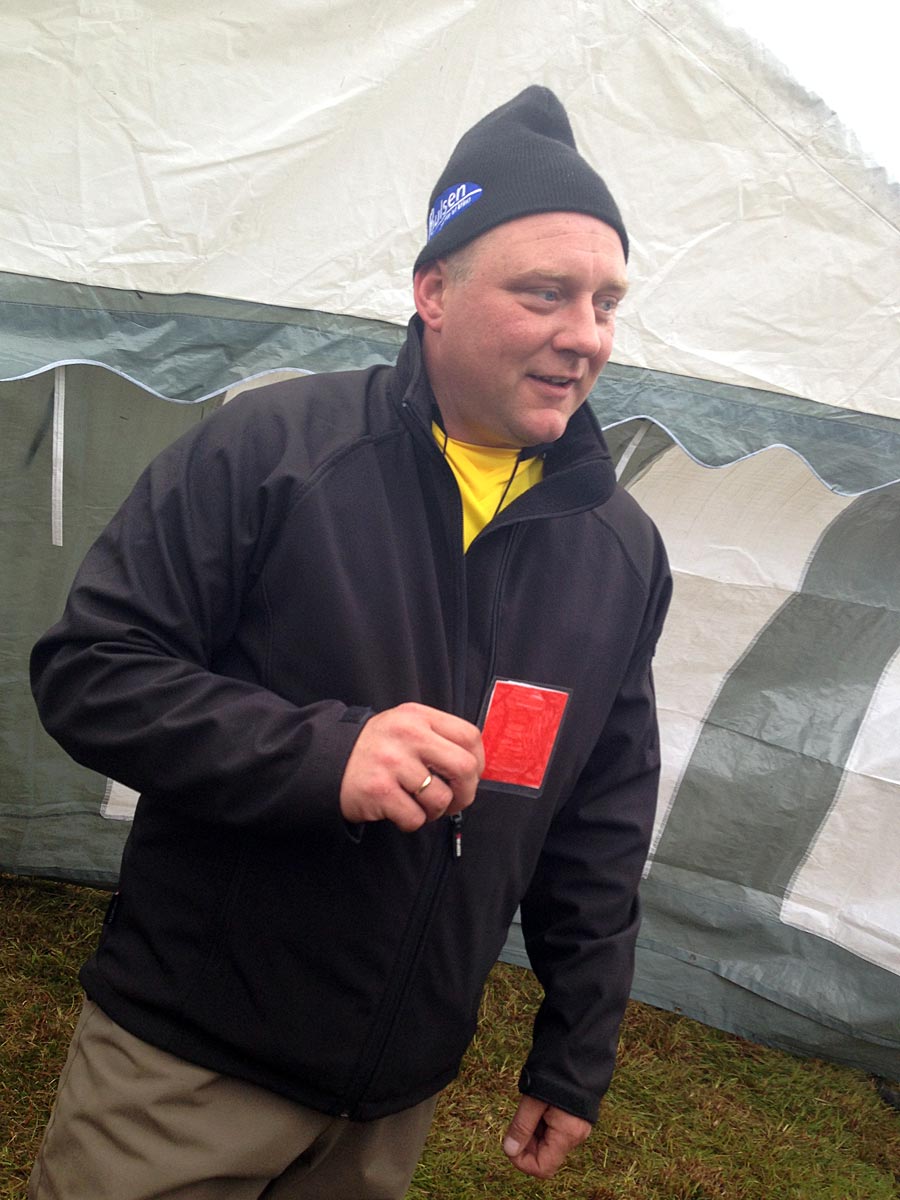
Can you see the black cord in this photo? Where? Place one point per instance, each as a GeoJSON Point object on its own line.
{"type": "Point", "coordinates": [509, 482]}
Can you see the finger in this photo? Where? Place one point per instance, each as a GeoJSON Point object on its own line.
{"type": "Point", "coordinates": [460, 732]}
{"type": "Point", "coordinates": [457, 805]}
{"type": "Point", "coordinates": [433, 795]}
{"type": "Point", "coordinates": [452, 744]}
{"type": "Point", "coordinates": [523, 1125]}
{"type": "Point", "coordinates": [401, 810]}
{"type": "Point", "coordinates": [410, 807]}
{"type": "Point", "coordinates": [549, 1153]}
{"type": "Point", "coordinates": [457, 769]}
{"type": "Point", "coordinates": [541, 1156]}
{"type": "Point", "coordinates": [388, 765]}
{"type": "Point", "coordinates": [553, 1134]}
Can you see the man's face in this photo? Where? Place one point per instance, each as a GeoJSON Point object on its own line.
{"type": "Point", "coordinates": [515, 338]}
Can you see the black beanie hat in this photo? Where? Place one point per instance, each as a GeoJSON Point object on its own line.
{"type": "Point", "coordinates": [519, 159]}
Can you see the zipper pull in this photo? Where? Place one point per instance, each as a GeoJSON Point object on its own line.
{"type": "Point", "coordinates": [456, 834]}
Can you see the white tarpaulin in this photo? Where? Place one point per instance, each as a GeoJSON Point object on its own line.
{"type": "Point", "coordinates": [195, 195]}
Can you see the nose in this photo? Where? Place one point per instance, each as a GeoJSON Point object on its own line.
{"type": "Point", "coordinates": [580, 331]}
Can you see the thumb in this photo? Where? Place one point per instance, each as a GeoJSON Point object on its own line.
{"type": "Point", "coordinates": [523, 1125]}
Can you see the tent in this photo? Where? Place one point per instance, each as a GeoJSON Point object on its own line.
{"type": "Point", "coordinates": [196, 196]}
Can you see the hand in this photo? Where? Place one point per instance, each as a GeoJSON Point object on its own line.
{"type": "Point", "coordinates": [394, 754]}
{"type": "Point", "coordinates": [540, 1136]}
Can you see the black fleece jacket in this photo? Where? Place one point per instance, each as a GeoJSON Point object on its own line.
{"type": "Point", "coordinates": [290, 565]}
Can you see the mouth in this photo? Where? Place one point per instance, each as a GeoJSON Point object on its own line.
{"type": "Point", "coordinates": [559, 382]}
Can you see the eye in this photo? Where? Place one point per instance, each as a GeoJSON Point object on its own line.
{"type": "Point", "coordinates": [607, 305]}
{"type": "Point", "coordinates": [549, 295]}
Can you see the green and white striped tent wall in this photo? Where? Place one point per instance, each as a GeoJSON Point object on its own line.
{"type": "Point", "coordinates": [194, 198]}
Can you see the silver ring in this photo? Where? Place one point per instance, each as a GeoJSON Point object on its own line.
{"type": "Point", "coordinates": [426, 782]}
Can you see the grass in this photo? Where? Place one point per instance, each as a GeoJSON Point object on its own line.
{"type": "Point", "coordinates": [693, 1114]}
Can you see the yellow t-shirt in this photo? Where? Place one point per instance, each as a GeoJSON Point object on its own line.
{"type": "Point", "coordinates": [483, 476]}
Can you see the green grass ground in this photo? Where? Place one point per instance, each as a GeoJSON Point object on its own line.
{"type": "Point", "coordinates": [693, 1114]}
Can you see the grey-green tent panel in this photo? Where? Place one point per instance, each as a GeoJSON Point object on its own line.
{"type": "Point", "coordinates": [189, 348]}
{"type": "Point", "coordinates": [50, 823]}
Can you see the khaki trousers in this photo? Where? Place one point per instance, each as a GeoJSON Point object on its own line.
{"type": "Point", "coordinates": [132, 1122]}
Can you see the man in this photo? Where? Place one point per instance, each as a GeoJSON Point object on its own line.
{"type": "Point", "coordinates": [375, 648]}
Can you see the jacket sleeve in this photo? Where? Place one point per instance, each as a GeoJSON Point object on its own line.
{"type": "Point", "coordinates": [580, 917]}
{"type": "Point", "coordinates": [126, 680]}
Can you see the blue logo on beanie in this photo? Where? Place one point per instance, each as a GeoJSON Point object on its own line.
{"type": "Point", "coordinates": [450, 204]}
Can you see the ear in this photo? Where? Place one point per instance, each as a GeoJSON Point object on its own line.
{"type": "Point", "coordinates": [429, 287]}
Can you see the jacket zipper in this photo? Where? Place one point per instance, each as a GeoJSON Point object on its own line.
{"type": "Point", "coordinates": [456, 821]}
{"type": "Point", "coordinates": [387, 1018]}
{"type": "Point", "coordinates": [456, 824]}
{"type": "Point", "coordinates": [438, 862]}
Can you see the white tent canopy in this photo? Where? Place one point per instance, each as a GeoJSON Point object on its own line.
{"type": "Point", "coordinates": [284, 153]}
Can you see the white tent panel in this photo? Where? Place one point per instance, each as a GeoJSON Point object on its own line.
{"type": "Point", "coordinates": [119, 801]}
{"type": "Point", "coordinates": [741, 540]}
{"type": "Point", "coordinates": [851, 898]}
{"type": "Point", "coordinates": [753, 524]}
{"type": "Point", "coordinates": [696, 653]}
{"type": "Point", "coordinates": [773, 872]}
{"type": "Point", "coordinates": [738, 539]}
{"type": "Point", "coordinates": [875, 751]}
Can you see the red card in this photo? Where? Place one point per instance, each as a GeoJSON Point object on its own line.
{"type": "Point", "coordinates": [519, 730]}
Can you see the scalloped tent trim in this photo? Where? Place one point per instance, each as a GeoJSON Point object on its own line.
{"type": "Point", "coordinates": [187, 349]}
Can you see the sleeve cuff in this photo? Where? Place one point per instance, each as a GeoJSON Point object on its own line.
{"type": "Point", "coordinates": [570, 1101]}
